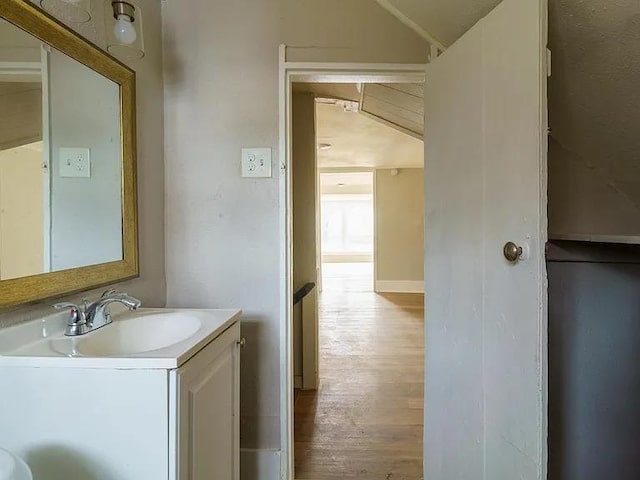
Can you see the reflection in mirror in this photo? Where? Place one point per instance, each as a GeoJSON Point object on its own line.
{"type": "Point", "coordinates": [60, 160]}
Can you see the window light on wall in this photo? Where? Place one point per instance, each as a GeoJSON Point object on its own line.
{"type": "Point", "coordinates": [124, 29]}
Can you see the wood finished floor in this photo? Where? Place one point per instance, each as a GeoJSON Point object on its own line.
{"type": "Point", "coordinates": [365, 421]}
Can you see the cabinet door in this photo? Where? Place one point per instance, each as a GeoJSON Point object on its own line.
{"type": "Point", "coordinates": [208, 416]}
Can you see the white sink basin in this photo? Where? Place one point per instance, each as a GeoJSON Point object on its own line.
{"type": "Point", "coordinates": [147, 338]}
{"type": "Point", "coordinates": [138, 334]}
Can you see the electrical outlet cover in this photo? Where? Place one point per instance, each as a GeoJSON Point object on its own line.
{"type": "Point", "coordinates": [256, 162]}
{"type": "Point", "coordinates": [74, 162]}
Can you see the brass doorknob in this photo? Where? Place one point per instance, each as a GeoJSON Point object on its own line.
{"type": "Point", "coordinates": [512, 252]}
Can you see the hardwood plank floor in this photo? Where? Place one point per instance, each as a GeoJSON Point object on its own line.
{"type": "Point", "coordinates": [365, 421]}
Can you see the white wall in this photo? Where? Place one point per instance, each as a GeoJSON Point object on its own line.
{"type": "Point", "coordinates": [223, 232]}
{"type": "Point", "coordinates": [86, 213]}
{"type": "Point", "coordinates": [399, 210]}
{"type": "Point", "coordinates": [150, 287]}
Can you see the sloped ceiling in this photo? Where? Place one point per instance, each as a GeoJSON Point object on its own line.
{"type": "Point", "coordinates": [594, 92]}
{"type": "Point", "coordinates": [443, 20]}
{"type": "Point", "coordinates": [358, 141]}
{"type": "Point", "coordinates": [340, 91]}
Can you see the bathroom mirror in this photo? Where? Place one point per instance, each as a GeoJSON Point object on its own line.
{"type": "Point", "coordinates": [67, 160]}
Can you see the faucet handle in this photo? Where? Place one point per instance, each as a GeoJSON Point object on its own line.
{"type": "Point", "coordinates": [109, 292]}
{"type": "Point", "coordinates": [76, 314]}
{"type": "Point", "coordinates": [77, 321]}
{"type": "Point", "coordinates": [63, 305]}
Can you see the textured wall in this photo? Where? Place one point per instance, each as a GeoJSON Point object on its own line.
{"type": "Point", "coordinates": [594, 113]}
{"type": "Point", "coordinates": [223, 232]}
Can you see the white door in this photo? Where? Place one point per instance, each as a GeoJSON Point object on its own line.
{"type": "Point", "coordinates": [485, 168]}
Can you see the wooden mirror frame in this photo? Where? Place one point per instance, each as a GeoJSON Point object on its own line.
{"type": "Point", "coordinates": [27, 17]}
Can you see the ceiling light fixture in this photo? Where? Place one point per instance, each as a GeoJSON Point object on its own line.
{"type": "Point", "coordinates": [348, 106]}
{"type": "Point", "coordinates": [124, 29]}
{"type": "Point", "coordinates": [324, 146]}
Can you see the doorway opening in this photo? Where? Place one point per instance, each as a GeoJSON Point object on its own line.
{"type": "Point", "coordinates": [347, 231]}
{"type": "Point", "coordinates": [359, 410]}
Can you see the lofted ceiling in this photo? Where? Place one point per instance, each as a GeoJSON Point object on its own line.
{"type": "Point", "coordinates": [443, 21]}
{"type": "Point", "coordinates": [341, 91]}
{"type": "Point", "coordinates": [594, 98]}
{"type": "Point", "coordinates": [399, 105]}
{"type": "Point", "coordinates": [359, 141]}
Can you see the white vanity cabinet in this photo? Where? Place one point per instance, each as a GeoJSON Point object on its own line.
{"type": "Point", "coordinates": [170, 414]}
{"type": "Point", "coordinates": [204, 401]}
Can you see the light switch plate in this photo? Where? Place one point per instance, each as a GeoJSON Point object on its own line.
{"type": "Point", "coordinates": [256, 162]}
{"type": "Point", "coordinates": [74, 162]}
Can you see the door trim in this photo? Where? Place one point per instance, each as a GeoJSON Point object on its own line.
{"type": "Point", "coordinates": [47, 155]}
{"type": "Point", "coordinates": [543, 294]}
{"type": "Point", "coordinates": [289, 72]}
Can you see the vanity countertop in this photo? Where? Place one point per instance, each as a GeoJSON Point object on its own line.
{"type": "Point", "coordinates": [145, 339]}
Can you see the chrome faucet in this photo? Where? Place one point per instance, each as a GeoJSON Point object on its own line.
{"type": "Point", "coordinates": [92, 316]}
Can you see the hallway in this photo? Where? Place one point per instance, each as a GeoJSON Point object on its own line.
{"type": "Point", "coordinates": [365, 422]}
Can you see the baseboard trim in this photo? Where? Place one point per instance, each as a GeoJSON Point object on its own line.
{"type": "Point", "coordinates": [399, 286]}
{"type": "Point", "coordinates": [347, 258]}
{"type": "Point", "coordinates": [259, 464]}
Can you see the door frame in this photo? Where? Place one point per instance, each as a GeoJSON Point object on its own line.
{"type": "Point", "coordinates": [319, 72]}
{"type": "Point", "coordinates": [47, 154]}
